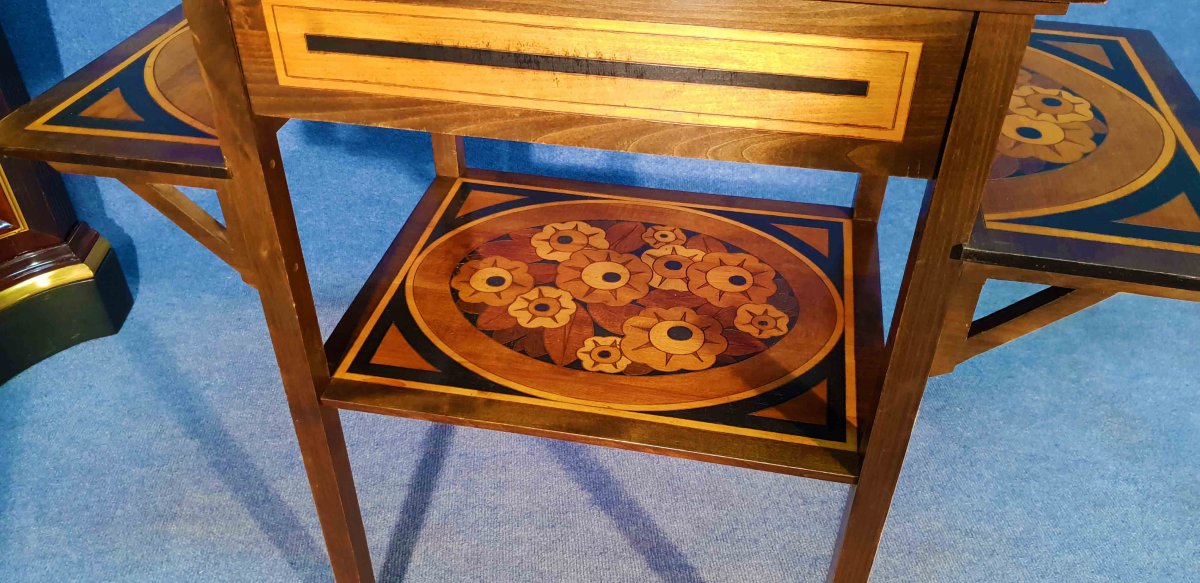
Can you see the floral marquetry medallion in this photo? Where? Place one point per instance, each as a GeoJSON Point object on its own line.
{"type": "Point", "coordinates": [695, 315]}
{"type": "Point", "coordinates": [1093, 149]}
{"type": "Point", "coordinates": [624, 297]}
{"type": "Point", "coordinates": [1047, 127]}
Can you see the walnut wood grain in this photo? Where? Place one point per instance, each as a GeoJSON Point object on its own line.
{"type": "Point", "coordinates": [264, 206]}
{"type": "Point", "coordinates": [235, 229]}
{"type": "Point", "coordinates": [868, 197]}
{"type": "Point", "coordinates": [942, 32]}
{"type": "Point", "coordinates": [963, 337]}
{"type": "Point", "coordinates": [959, 315]}
{"type": "Point", "coordinates": [997, 47]}
{"type": "Point", "coordinates": [1067, 280]}
{"type": "Point", "coordinates": [449, 155]}
{"type": "Point", "coordinates": [1006, 6]}
{"type": "Point", "coordinates": [1090, 259]}
{"type": "Point", "coordinates": [136, 175]}
{"type": "Point", "coordinates": [193, 220]}
{"type": "Point", "coordinates": [721, 77]}
{"type": "Point", "coordinates": [798, 460]}
{"type": "Point", "coordinates": [872, 351]}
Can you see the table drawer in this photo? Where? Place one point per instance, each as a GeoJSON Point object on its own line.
{"type": "Point", "coordinates": [725, 77]}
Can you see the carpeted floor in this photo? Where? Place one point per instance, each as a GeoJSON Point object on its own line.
{"type": "Point", "coordinates": [166, 453]}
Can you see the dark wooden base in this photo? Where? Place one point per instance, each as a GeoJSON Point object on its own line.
{"type": "Point", "coordinates": [69, 311]}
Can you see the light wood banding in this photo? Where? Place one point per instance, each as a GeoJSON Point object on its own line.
{"type": "Point", "coordinates": [804, 83]}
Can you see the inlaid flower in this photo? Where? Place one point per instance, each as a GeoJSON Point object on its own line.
{"type": "Point", "coordinates": [669, 265]}
{"type": "Point", "coordinates": [494, 281]}
{"type": "Point", "coordinates": [543, 307]}
{"type": "Point", "coordinates": [1024, 137]}
{"type": "Point", "coordinates": [673, 339]}
{"type": "Point", "coordinates": [558, 241]}
{"type": "Point", "coordinates": [731, 279]}
{"type": "Point", "coordinates": [660, 235]}
{"type": "Point", "coordinates": [1052, 105]}
{"type": "Point", "coordinates": [761, 320]}
{"type": "Point", "coordinates": [603, 354]}
{"type": "Point", "coordinates": [605, 277]}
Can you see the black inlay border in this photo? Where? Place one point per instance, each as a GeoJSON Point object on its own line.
{"type": "Point", "coordinates": [595, 67]}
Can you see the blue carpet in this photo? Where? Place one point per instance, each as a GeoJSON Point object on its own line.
{"type": "Point", "coordinates": [166, 453]}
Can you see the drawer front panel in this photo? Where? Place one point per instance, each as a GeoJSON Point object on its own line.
{"type": "Point", "coordinates": [812, 84]}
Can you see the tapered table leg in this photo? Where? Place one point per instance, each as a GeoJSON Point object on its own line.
{"type": "Point", "coordinates": [263, 206]}
{"type": "Point", "coordinates": [946, 220]}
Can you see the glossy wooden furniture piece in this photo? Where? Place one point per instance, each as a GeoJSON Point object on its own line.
{"type": "Point", "coordinates": [60, 283]}
{"type": "Point", "coordinates": [718, 329]}
{"type": "Point", "coordinates": [1095, 192]}
{"type": "Point", "coordinates": [713, 328]}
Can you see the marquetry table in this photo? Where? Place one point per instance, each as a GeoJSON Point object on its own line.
{"type": "Point", "coordinates": [707, 327]}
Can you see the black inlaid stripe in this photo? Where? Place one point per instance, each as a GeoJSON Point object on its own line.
{"type": "Point", "coordinates": [597, 67]}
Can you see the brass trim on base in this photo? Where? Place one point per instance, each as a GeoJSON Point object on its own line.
{"type": "Point", "coordinates": [57, 278]}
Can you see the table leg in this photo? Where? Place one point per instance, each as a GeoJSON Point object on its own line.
{"type": "Point", "coordinates": [946, 220]}
{"type": "Point", "coordinates": [449, 155]}
{"type": "Point", "coordinates": [868, 197]}
{"type": "Point", "coordinates": [263, 206]}
{"type": "Point", "coordinates": [957, 327]}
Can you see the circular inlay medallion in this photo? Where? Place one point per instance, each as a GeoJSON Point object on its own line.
{"type": "Point", "coordinates": [1076, 138]}
{"type": "Point", "coordinates": [625, 305]}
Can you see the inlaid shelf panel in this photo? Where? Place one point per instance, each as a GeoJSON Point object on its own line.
{"type": "Point", "coordinates": [635, 318]}
{"type": "Point", "coordinates": [140, 106]}
{"type": "Point", "coordinates": [1098, 172]}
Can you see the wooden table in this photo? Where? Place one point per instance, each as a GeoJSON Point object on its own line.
{"type": "Point", "coordinates": [706, 327]}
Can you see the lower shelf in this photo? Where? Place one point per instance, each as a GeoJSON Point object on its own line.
{"type": "Point", "coordinates": [730, 330]}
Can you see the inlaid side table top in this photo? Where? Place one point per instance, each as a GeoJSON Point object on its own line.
{"type": "Point", "coordinates": [712, 328]}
